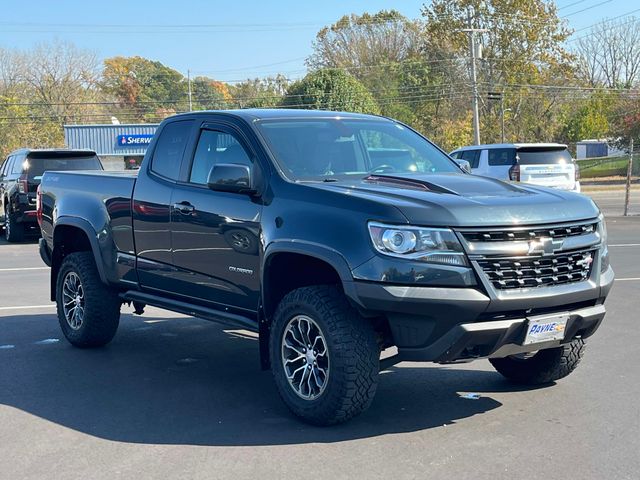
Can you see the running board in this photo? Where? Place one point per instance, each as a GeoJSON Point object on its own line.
{"type": "Point", "coordinates": [225, 318]}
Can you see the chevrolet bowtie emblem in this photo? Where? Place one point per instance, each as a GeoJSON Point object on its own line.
{"type": "Point", "coordinates": [544, 246]}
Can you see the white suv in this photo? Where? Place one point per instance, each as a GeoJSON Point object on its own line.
{"type": "Point", "coordinates": [544, 164]}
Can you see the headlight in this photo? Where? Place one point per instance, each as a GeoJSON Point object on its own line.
{"type": "Point", "coordinates": [434, 245]}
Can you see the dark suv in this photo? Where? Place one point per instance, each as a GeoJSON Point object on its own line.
{"type": "Point", "coordinates": [20, 176]}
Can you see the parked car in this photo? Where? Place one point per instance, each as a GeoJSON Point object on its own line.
{"type": "Point", "coordinates": [544, 164]}
{"type": "Point", "coordinates": [20, 176]}
{"type": "Point", "coordinates": [334, 236]}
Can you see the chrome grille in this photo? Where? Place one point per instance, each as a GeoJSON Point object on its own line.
{"type": "Point", "coordinates": [526, 234]}
{"type": "Point", "coordinates": [528, 272]}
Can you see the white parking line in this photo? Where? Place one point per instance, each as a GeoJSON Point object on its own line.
{"type": "Point", "coordinates": [631, 279]}
{"type": "Point", "coordinates": [27, 307]}
{"type": "Point", "coordinates": [625, 245]}
{"type": "Point", "coordinates": [22, 269]}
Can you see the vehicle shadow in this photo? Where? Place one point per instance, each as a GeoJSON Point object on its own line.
{"type": "Point", "coordinates": [185, 381]}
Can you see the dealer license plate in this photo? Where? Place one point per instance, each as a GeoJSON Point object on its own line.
{"type": "Point", "coordinates": [545, 328]}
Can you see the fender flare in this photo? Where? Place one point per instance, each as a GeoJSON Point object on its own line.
{"type": "Point", "coordinates": [321, 252]}
{"type": "Point", "coordinates": [92, 236]}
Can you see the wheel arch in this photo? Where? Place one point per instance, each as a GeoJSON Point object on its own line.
{"type": "Point", "coordinates": [327, 266]}
{"type": "Point", "coordinates": [72, 234]}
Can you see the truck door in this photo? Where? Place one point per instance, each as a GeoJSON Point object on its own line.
{"type": "Point", "coordinates": [216, 235]}
{"type": "Point", "coordinates": [151, 206]}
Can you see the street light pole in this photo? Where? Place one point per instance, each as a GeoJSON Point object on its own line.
{"type": "Point", "coordinates": [474, 82]}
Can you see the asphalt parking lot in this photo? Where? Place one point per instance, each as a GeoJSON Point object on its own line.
{"type": "Point", "coordinates": [174, 396]}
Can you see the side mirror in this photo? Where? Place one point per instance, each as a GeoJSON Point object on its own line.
{"type": "Point", "coordinates": [463, 164]}
{"type": "Point", "coordinates": [231, 177]}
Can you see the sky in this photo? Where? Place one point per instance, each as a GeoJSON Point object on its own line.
{"type": "Point", "coordinates": [228, 41]}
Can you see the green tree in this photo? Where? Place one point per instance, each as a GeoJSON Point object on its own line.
{"type": "Point", "coordinates": [259, 92]}
{"type": "Point", "coordinates": [330, 89]}
{"type": "Point", "coordinates": [591, 119]}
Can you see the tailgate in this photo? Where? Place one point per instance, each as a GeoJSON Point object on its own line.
{"type": "Point", "coordinates": [548, 175]}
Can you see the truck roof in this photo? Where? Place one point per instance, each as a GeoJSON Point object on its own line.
{"type": "Point", "coordinates": [54, 151]}
{"type": "Point", "coordinates": [271, 113]}
{"type": "Point", "coordinates": [512, 145]}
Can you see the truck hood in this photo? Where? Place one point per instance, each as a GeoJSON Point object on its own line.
{"type": "Point", "coordinates": [461, 200]}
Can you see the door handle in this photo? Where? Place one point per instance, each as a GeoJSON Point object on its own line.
{"type": "Point", "coordinates": [184, 208]}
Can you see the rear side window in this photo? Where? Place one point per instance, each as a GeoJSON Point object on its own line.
{"type": "Point", "coordinates": [37, 166]}
{"type": "Point", "coordinates": [471, 156]}
{"type": "Point", "coordinates": [502, 157]}
{"type": "Point", "coordinates": [544, 156]}
{"type": "Point", "coordinates": [170, 148]}
{"type": "Point", "coordinates": [18, 166]}
{"type": "Point", "coordinates": [4, 170]}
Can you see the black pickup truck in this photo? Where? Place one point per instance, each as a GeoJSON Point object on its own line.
{"type": "Point", "coordinates": [337, 237]}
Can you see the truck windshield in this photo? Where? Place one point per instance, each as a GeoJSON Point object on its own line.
{"type": "Point", "coordinates": [35, 167]}
{"type": "Point", "coordinates": [331, 148]}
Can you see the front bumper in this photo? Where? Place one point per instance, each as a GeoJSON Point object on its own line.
{"type": "Point", "coordinates": [449, 324]}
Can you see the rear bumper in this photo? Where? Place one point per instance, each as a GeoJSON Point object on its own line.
{"type": "Point", "coordinates": [449, 324]}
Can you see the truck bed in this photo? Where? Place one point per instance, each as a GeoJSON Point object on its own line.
{"type": "Point", "coordinates": [103, 195]}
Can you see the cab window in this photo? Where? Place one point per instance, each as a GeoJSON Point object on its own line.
{"type": "Point", "coordinates": [215, 147]}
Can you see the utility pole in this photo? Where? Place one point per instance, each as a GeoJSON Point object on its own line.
{"type": "Point", "coordinates": [628, 186]}
{"type": "Point", "coordinates": [189, 82]}
{"type": "Point", "coordinates": [474, 82]}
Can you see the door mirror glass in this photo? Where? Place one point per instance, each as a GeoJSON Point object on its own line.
{"type": "Point", "coordinates": [463, 164]}
{"type": "Point", "coordinates": [231, 177]}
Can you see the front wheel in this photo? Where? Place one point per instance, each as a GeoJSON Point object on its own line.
{"type": "Point", "coordinates": [324, 356]}
{"type": "Point", "coordinates": [544, 366]}
{"type": "Point", "coordinates": [88, 310]}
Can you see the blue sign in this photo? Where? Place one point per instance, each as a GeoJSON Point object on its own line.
{"type": "Point", "coordinates": [140, 140]}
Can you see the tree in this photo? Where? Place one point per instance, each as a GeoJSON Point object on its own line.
{"type": "Point", "coordinates": [360, 42]}
{"type": "Point", "coordinates": [260, 92]}
{"type": "Point", "coordinates": [523, 48]}
{"type": "Point", "coordinates": [144, 89]}
{"type": "Point", "coordinates": [609, 55]}
{"type": "Point", "coordinates": [592, 119]}
{"type": "Point", "coordinates": [207, 94]}
{"type": "Point", "coordinates": [383, 52]}
{"type": "Point", "coordinates": [330, 89]}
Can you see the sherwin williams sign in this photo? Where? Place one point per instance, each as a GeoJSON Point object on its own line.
{"type": "Point", "coordinates": [141, 140]}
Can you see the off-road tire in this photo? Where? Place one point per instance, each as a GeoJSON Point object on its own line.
{"type": "Point", "coordinates": [101, 303]}
{"type": "Point", "coordinates": [13, 230]}
{"type": "Point", "coordinates": [353, 352]}
{"type": "Point", "coordinates": [546, 366]}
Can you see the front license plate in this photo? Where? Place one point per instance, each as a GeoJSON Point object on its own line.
{"type": "Point", "coordinates": [545, 329]}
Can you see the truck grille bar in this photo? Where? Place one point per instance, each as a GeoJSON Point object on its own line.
{"type": "Point", "coordinates": [527, 272]}
{"type": "Point", "coordinates": [531, 257]}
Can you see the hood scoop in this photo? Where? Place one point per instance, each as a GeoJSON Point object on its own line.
{"type": "Point", "coordinates": [404, 182]}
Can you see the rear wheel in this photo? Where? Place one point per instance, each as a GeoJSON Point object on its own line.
{"type": "Point", "coordinates": [13, 230]}
{"type": "Point", "coordinates": [88, 310]}
{"type": "Point", "coordinates": [544, 366]}
{"type": "Point", "coordinates": [324, 356]}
